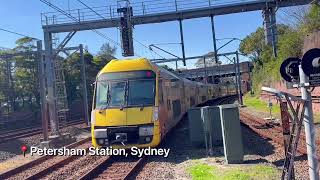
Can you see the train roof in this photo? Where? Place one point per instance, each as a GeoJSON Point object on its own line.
{"type": "Point", "coordinates": [136, 64]}
{"type": "Point", "coordinates": [124, 65]}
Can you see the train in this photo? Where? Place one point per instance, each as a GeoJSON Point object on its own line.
{"type": "Point", "coordinates": [137, 102]}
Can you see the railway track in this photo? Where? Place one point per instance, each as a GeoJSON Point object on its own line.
{"type": "Point", "coordinates": [49, 167]}
{"type": "Point", "coordinates": [271, 131]}
{"type": "Point", "coordinates": [115, 168]}
{"type": "Point", "coordinates": [30, 131]}
{"type": "Point", "coordinates": [43, 165]}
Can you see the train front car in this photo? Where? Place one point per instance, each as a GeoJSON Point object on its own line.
{"type": "Point", "coordinates": [125, 106]}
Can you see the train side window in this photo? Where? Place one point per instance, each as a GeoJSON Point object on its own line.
{"type": "Point", "coordinates": [176, 106]}
{"type": "Point", "coordinates": [169, 104]}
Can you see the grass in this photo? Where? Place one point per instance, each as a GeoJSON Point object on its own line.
{"type": "Point", "coordinates": [256, 104]}
{"type": "Point", "coordinates": [203, 171]}
{"type": "Point", "coordinates": [259, 105]}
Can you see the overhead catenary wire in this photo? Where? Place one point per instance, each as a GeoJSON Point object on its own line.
{"type": "Point", "coordinates": [75, 19]}
{"type": "Point", "coordinates": [16, 33]}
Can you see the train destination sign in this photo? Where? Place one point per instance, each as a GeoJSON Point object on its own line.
{"type": "Point", "coordinates": [289, 70]}
{"type": "Point", "coordinates": [311, 66]}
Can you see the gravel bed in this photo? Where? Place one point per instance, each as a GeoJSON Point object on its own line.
{"type": "Point", "coordinates": [77, 168]}
{"type": "Point", "coordinates": [119, 167]}
{"type": "Point", "coordinates": [181, 150]}
{"type": "Point", "coordinates": [260, 150]}
{"type": "Point", "coordinates": [12, 148]}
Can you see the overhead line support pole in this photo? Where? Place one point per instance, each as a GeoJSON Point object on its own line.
{"type": "Point", "coordinates": [205, 70]}
{"type": "Point", "coordinates": [51, 101]}
{"type": "Point", "coordinates": [239, 79]}
{"type": "Point", "coordinates": [84, 82]}
{"type": "Point", "coordinates": [182, 43]}
{"type": "Point", "coordinates": [236, 76]}
{"type": "Point", "coordinates": [309, 128]}
{"type": "Point", "coordinates": [274, 31]}
{"type": "Point", "coordinates": [214, 39]}
{"type": "Point", "coordinates": [43, 102]}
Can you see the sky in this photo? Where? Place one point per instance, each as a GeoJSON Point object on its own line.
{"type": "Point", "coordinates": [25, 17]}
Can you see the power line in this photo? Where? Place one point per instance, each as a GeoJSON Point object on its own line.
{"type": "Point", "coordinates": [75, 19]}
{"type": "Point", "coordinates": [84, 4]}
{"type": "Point", "coordinates": [19, 34]}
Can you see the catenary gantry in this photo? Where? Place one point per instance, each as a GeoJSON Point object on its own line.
{"type": "Point", "coordinates": [147, 12]}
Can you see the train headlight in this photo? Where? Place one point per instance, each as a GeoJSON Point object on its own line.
{"type": "Point", "coordinates": [155, 115]}
{"type": "Point", "coordinates": [146, 131]}
{"type": "Point", "coordinates": [93, 118]}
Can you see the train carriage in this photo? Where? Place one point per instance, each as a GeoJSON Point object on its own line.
{"type": "Point", "coordinates": [136, 103]}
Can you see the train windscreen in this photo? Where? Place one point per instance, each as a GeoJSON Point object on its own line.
{"type": "Point", "coordinates": [125, 89]}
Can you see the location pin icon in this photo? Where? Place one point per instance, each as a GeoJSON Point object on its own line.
{"type": "Point", "coordinates": [24, 148]}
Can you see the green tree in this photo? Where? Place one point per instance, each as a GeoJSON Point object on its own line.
{"type": "Point", "coordinates": [266, 67]}
{"type": "Point", "coordinates": [253, 45]}
{"type": "Point", "coordinates": [93, 65]}
{"type": "Point", "coordinates": [105, 54]}
{"type": "Point", "coordinates": [25, 75]}
{"type": "Point", "coordinates": [312, 19]}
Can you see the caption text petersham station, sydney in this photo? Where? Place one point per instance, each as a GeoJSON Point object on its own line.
{"type": "Point", "coordinates": [109, 151]}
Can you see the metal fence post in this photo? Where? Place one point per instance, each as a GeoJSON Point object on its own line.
{"type": "Point", "coordinates": [285, 118]}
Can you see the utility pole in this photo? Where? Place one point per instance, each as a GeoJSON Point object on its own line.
{"type": "Point", "coordinates": [43, 102]}
{"type": "Point", "coordinates": [84, 82]}
{"type": "Point", "coordinates": [205, 70]}
{"type": "Point", "coordinates": [239, 79]}
{"type": "Point", "coordinates": [309, 127]}
{"type": "Point", "coordinates": [51, 100]}
{"type": "Point", "coordinates": [236, 76]}
{"type": "Point", "coordinates": [214, 39]}
{"type": "Point", "coordinates": [182, 43]}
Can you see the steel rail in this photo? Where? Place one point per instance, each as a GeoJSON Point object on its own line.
{"type": "Point", "coordinates": [30, 132]}
{"type": "Point", "coordinates": [53, 167]}
{"type": "Point", "coordinates": [99, 169]}
{"type": "Point", "coordinates": [31, 164]}
{"type": "Point", "coordinates": [274, 126]}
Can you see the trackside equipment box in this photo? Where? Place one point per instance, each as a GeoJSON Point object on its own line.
{"type": "Point", "coordinates": [211, 115]}
{"type": "Point", "coordinates": [196, 129]}
{"type": "Point", "coordinates": [231, 132]}
{"type": "Point", "coordinates": [205, 126]}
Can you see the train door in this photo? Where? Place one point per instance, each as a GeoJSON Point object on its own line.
{"type": "Point", "coordinates": [162, 108]}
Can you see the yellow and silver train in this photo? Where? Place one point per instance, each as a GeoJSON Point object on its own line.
{"type": "Point", "coordinates": [136, 102]}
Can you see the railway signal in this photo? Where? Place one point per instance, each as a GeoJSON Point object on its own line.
{"type": "Point", "coordinates": [311, 66]}
{"type": "Point", "coordinates": [305, 73]}
{"type": "Point", "coordinates": [289, 70]}
{"type": "Point", "coordinates": [126, 31]}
